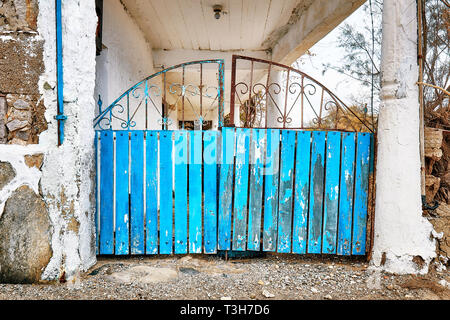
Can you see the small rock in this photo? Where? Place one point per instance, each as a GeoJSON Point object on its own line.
{"type": "Point", "coordinates": [23, 135]}
{"type": "Point", "coordinates": [47, 86]}
{"type": "Point", "coordinates": [18, 141]}
{"type": "Point", "coordinates": [21, 105]}
{"type": "Point", "coordinates": [261, 282]}
{"type": "Point", "coordinates": [225, 298]}
{"type": "Point", "coordinates": [328, 297]}
{"type": "Point", "coordinates": [16, 124]}
{"type": "Point", "coordinates": [267, 294]}
{"type": "Point", "coordinates": [190, 271]}
{"type": "Point", "coordinates": [314, 290]}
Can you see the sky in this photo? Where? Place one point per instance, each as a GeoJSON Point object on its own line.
{"type": "Point", "coordinates": [327, 51]}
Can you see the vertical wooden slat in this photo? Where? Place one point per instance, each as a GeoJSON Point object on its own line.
{"type": "Point", "coordinates": [346, 194]}
{"type": "Point", "coordinates": [122, 200]}
{"type": "Point", "coordinates": [165, 193]}
{"type": "Point", "coordinates": [106, 192]}
{"type": "Point", "coordinates": [241, 189]}
{"type": "Point", "coordinates": [210, 187]}
{"type": "Point", "coordinates": [97, 195]}
{"type": "Point", "coordinates": [195, 192]}
{"type": "Point", "coordinates": [226, 188]}
{"type": "Point", "coordinates": [286, 191]}
{"type": "Point", "coordinates": [256, 189]}
{"type": "Point", "coordinates": [151, 192]}
{"type": "Point", "coordinates": [301, 198]}
{"type": "Point", "coordinates": [316, 192]}
{"type": "Point", "coordinates": [137, 192]}
{"type": "Point", "coordinates": [330, 216]}
{"type": "Point", "coordinates": [271, 190]}
{"type": "Point", "coordinates": [361, 194]}
{"type": "Point", "coordinates": [181, 161]}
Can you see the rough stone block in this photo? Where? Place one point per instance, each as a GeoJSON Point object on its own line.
{"type": "Point", "coordinates": [34, 160]}
{"type": "Point", "coordinates": [7, 173]}
{"type": "Point", "coordinates": [29, 108]}
{"type": "Point", "coordinates": [18, 15]}
{"type": "Point", "coordinates": [22, 50]}
{"type": "Point", "coordinates": [16, 124]}
{"type": "Point", "coordinates": [25, 248]}
{"type": "Point", "coordinates": [3, 107]}
{"type": "Point", "coordinates": [443, 210]}
{"type": "Point", "coordinates": [23, 135]}
{"type": "Point", "coordinates": [433, 138]}
{"type": "Point", "coordinates": [20, 104]}
{"type": "Point", "coordinates": [3, 111]}
{"type": "Point", "coordinates": [432, 185]}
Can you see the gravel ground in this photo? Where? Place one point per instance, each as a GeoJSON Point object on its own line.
{"type": "Point", "coordinates": [210, 277]}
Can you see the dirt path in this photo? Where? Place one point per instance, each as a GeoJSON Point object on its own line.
{"type": "Point", "coordinates": [211, 277]}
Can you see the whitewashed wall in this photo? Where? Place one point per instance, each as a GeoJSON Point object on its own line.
{"type": "Point", "coordinates": [127, 58]}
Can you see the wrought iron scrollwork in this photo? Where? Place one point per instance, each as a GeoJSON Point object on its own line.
{"type": "Point", "coordinates": [289, 99]}
{"type": "Point", "coordinates": [157, 101]}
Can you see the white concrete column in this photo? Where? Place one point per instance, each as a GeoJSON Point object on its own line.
{"type": "Point", "coordinates": [402, 235]}
{"type": "Point", "coordinates": [68, 171]}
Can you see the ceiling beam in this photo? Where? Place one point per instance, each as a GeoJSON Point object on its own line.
{"type": "Point", "coordinates": [167, 58]}
{"type": "Point", "coordinates": [312, 24]}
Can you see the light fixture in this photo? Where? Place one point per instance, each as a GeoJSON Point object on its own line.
{"type": "Point", "coordinates": [217, 11]}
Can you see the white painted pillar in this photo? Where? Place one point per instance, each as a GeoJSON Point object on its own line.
{"type": "Point", "coordinates": [68, 171]}
{"type": "Point", "coordinates": [401, 233]}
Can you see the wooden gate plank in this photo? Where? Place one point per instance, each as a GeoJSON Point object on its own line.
{"type": "Point", "coordinates": [330, 215]}
{"type": "Point", "coordinates": [181, 163]}
{"type": "Point", "coordinates": [122, 199]}
{"type": "Point", "coordinates": [151, 192]}
{"type": "Point", "coordinates": [210, 186]}
{"type": "Point", "coordinates": [106, 192]}
{"type": "Point", "coordinates": [301, 198]}
{"type": "Point", "coordinates": [286, 191]}
{"type": "Point", "coordinates": [195, 193]}
{"type": "Point", "coordinates": [165, 193]}
{"type": "Point", "coordinates": [137, 192]}
{"type": "Point", "coordinates": [316, 193]}
{"type": "Point", "coordinates": [256, 189]}
{"type": "Point", "coordinates": [346, 194]}
{"type": "Point", "coordinates": [241, 189]}
{"type": "Point", "coordinates": [271, 190]}
{"type": "Point", "coordinates": [226, 188]}
{"type": "Point", "coordinates": [361, 194]}
{"type": "Point", "coordinates": [97, 194]}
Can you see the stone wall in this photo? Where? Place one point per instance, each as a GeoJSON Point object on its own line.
{"type": "Point", "coordinates": [46, 191]}
{"type": "Point", "coordinates": [25, 227]}
{"type": "Point", "coordinates": [437, 182]}
{"type": "Point", "coordinates": [21, 64]}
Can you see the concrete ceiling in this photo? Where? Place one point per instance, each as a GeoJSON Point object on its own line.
{"type": "Point", "coordinates": [280, 30]}
{"type": "Point", "coordinates": [190, 24]}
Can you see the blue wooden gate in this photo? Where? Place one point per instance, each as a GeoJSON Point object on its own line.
{"type": "Point", "coordinates": [287, 190]}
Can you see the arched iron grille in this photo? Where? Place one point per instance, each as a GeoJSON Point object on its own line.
{"type": "Point", "coordinates": [272, 95]}
{"type": "Point", "coordinates": [162, 99]}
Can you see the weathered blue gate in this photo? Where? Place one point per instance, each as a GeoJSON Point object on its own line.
{"type": "Point", "coordinates": [289, 190]}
